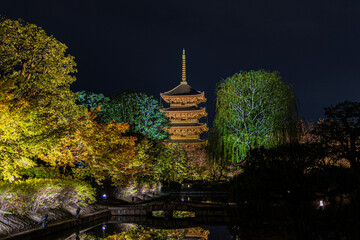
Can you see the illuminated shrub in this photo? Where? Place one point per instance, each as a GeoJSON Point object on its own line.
{"type": "Point", "coordinates": [35, 194]}
{"type": "Point", "coordinates": [78, 193]}
{"type": "Point", "coordinates": [45, 194]}
{"type": "Point", "coordinates": [12, 197]}
{"type": "Point", "coordinates": [40, 172]}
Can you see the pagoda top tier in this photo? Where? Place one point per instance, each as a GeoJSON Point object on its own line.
{"type": "Point", "coordinates": [182, 89]}
{"type": "Point", "coordinates": [183, 93]}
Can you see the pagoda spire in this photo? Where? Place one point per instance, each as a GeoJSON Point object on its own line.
{"type": "Point", "coordinates": [183, 77]}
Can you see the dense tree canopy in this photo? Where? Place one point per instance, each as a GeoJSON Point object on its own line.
{"type": "Point", "coordinates": [92, 101]}
{"type": "Point", "coordinates": [99, 151]}
{"type": "Point", "coordinates": [138, 109]}
{"type": "Point", "coordinates": [172, 163]}
{"type": "Point", "coordinates": [253, 109]}
{"type": "Point", "coordinates": [340, 131]}
{"type": "Point", "coordinates": [36, 103]}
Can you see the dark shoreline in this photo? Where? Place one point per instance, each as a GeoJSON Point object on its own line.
{"type": "Point", "coordinates": [39, 232]}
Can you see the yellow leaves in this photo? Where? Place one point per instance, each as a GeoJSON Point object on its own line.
{"type": "Point", "coordinates": [100, 148]}
{"type": "Point", "coordinates": [11, 115]}
{"type": "Point", "coordinates": [13, 155]}
{"type": "Point", "coordinates": [37, 107]}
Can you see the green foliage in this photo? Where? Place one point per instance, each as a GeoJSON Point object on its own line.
{"type": "Point", "coordinates": [35, 194]}
{"type": "Point", "coordinates": [253, 109]}
{"type": "Point", "coordinates": [146, 152]}
{"type": "Point", "coordinates": [40, 172]}
{"type": "Point", "coordinates": [121, 107]}
{"type": "Point", "coordinates": [150, 122]}
{"type": "Point", "coordinates": [37, 107]}
{"type": "Point", "coordinates": [172, 163]}
{"type": "Point", "coordinates": [141, 111]}
{"type": "Point", "coordinates": [92, 100]}
{"type": "Point", "coordinates": [340, 132]}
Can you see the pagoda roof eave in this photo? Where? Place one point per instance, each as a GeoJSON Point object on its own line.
{"type": "Point", "coordinates": [183, 89]}
{"type": "Point", "coordinates": [182, 110]}
{"type": "Point", "coordinates": [183, 95]}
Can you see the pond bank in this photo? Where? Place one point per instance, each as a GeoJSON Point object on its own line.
{"type": "Point", "coordinates": [35, 231]}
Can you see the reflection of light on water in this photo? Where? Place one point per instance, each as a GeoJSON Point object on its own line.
{"type": "Point", "coordinates": [183, 214]}
{"type": "Point", "coordinates": [160, 213]}
{"type": "Point", "coordinates": [140, 232]}
{"type": "Point", "coordinates": [130, 230]}
{"type": "Point", "coordinates": [104, 196]}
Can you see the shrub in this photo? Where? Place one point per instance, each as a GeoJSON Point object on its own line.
{"type": "Point", "coordinates": [41, 172]}
{"type": "Point", "coordinates": [45, 194]}
{"type": "Point", "coordinates": [35, 194]}
{"type": "Point", "coordinates": [78, 193]}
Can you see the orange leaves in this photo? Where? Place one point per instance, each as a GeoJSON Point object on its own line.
{"type": "Point", "coordinates": [111, 153]}
{"type": "Point", "coordinates": [100, 150]}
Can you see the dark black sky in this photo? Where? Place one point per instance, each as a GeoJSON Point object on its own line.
{"type": "Point", "coordinates": [120, 45]}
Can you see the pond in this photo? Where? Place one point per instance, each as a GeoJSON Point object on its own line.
{"type": "Point", "coordinates": [181, 225]}
{"type": "Point", "coordinates": [248, 220]}
{"type": "Point", "coordinates": [127, 227]}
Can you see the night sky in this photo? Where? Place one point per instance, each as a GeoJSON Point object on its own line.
{"type": "Point", "coordinates": [136, 44]}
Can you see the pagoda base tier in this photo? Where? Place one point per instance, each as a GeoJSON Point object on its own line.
{"type": "Point", "coordinates": [189, 143]}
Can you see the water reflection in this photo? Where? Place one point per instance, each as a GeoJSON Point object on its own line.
{"type": "Point", "coordinates": [295, 220]}
{"type": "Point", "coordinates": [136, 232]}
{"type": "Point", "coordinates": [247, 221]}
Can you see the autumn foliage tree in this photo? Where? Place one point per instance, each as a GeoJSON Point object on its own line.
{"type": "Point", "coordinates": [99, 151]}
{"type": "Point", "coordinates": [108, 153]}
{"type": "Point", "coordinates": [37, 106]}
{"type": "Point", "coordinates": [13, 154]}
{"type": "Point", "coordinates": [39, 117]}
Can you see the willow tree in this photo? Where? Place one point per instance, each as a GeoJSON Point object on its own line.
{"type": "Point", "coordinates": [253, 109]}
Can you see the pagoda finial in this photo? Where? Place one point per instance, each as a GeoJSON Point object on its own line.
{"type": "Point", "coordinates": [183, 78]}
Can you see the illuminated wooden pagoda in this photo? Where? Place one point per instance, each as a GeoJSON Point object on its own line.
{"type": "Point", "coordinates": [184, 112]}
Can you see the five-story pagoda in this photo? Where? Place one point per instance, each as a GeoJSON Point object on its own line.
{"type": "Point", "coordinates": [184, 113]}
